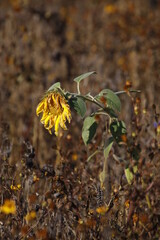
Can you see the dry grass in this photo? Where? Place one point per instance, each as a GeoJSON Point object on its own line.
{"type": "Point", "coordinates": [42, 43]}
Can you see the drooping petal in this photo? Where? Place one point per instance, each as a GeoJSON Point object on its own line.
{"type": "Point", "coordinates": [47, 120]}
{"type": "Point", "coordinates": [51, 124]}
{"type": "Point", "coordinates": [53, 98]}
{"type": "Point", "coordinates": [44, 116]}
{"type": "Point", "coordinates": [62, 123]}
{"type": "Point", "coordinates": [66, 112]}
{"type": "Point", "coordinates": [40, 107]}
{"type": "Point", "coordinates": [46, 107]}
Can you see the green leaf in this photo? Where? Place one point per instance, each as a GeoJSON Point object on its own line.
{"type": "Point", "coordinates": [83, 76]}
{"type": "Point", "coordinates": [118, 129]}
{"type": "Point", "coordinates": [108, 146]}
{"type": "Point", "coordinates": [54, 86]}
{"type": "Point", "coordinates": [89, 129]}
{"type": "Point", "coordinates": [129, 175]}
{"type": "Point", "coordinates": [79, 105]}
{"type": "Point", "coordinates": [111, 112]}
{"type": "Point", "coordinates": [112, 100]}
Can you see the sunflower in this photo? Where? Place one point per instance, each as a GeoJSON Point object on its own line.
{"type": "Point", "coordinates": [56, 111]}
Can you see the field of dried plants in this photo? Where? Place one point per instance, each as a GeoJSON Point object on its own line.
{"type": "Point", "coordinates": [48, 189]}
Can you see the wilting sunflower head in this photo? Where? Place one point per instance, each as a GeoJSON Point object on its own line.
{"type": "Point", "coordinates": [56, 111]}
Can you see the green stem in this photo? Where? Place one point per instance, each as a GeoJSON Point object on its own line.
{"type": "Point", "coordinates": [90, 100]}
{"type": "Point", "coordinates": [78, 89]}
{"type": "Point", "coordinates": [121, 92]}
{"type": "Point", "coordinates": [101, 113]}
{"type": "Point", "coordinates": [93, 154]}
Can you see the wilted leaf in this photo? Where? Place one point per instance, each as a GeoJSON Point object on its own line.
{"type": "Point", "coordinates": [129, 175]}
{"type": "Point", "coordinates": [111, 112]}
{"type": "Point", "coordinates": [118, 129]}
{"type": "Point", "coordinates": [89, 129]}
{"type": "Point", "coordinates": [112, 100]}
{"type": "Point", "coordinates": [79, 105]}
{"type": "Point", "coordinates": [83, 76]}
{"type": "Point", "coordinates": [54, 86]}
{"type": "Point", "coordinates": [108, 146]}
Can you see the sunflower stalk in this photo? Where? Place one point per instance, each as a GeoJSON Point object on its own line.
{"type": "Point", "coordinates": [56, 112]}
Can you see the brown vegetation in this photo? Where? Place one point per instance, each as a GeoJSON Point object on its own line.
{"type": "Point", "coordinates": [56, 192]}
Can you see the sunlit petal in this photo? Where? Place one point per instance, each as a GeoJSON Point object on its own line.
{"type": "Point", "coordinates": [40, 108]}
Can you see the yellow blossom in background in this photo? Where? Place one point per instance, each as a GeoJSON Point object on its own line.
{"type": "Point", "coordinates": [8, 207]}
{"type": "Point", "coordinates": [30, 216]}
{"type": "Point", "coordinates": [102, 209]}
{"type": "Point", "coordinates": [74, 156]}
{"type": "Point", "coordinates": [158, 130]}
{"type": "Point", "coordinates": [56, 111]}
{"type": "Point", "coordinates": [18, 187]}
{"type": "Point", "coordinates": [35, 178]}
{"type": "Point", "coordinates": [80, 221]}
{"type": "Point", "coordinates": [133, 134]}
{"type": "Point", "coordinates": [135, 218]}
{"type": "Point", "coordinates": [110, 9]}
{"type": "Point", "coordinates": [127, 203]}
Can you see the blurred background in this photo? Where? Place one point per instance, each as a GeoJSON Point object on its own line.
{"type": "Point", "coordinates": [42, 42]}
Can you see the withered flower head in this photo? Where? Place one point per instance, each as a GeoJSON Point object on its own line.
{"type": "Point", "coordinates": [56, 111]}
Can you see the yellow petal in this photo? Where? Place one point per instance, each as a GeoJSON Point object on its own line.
{"type": "Point", "coordinates": [51, 125]}
{"type": "Point", "coordinates": [49, 130]}
{"type": "Point", "coordinates": [62, 123]}
{"type": "Point", "coordinates": [47, 120]}
{"type": "Point", "coordinates": [53, 98]}
{"type": "Point", "coordinates": [46, 107]}
{"type": "Point", "coordinates": [66, 112]}
{"type": "Point", "coordinates": [45, 114]}
{"type": "Point", "coordinates": [40, 108]}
